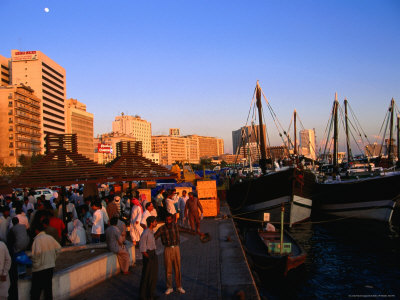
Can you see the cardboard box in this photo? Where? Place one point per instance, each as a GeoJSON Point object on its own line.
{"type": "Point", "coordinates": [206, 184]}
{"type": "Point", "coordinates": [207, 193]}
{"type": "Point", "coordinates": [210, 207]}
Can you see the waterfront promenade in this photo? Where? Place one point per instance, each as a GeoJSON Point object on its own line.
{"type": "Point", "coordinates": [213, 270]}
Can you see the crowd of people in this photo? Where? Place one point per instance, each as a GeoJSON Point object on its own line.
{"type": "Point", "coordinates": [43, 226]}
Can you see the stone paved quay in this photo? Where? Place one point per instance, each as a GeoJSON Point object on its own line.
{"type": "Point", "coordinates": [213, 270]}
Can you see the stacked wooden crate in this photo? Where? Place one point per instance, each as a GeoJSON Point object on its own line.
{"type": "Point", "coordinates": [207, 194]}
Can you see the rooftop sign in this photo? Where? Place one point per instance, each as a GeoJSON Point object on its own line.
{"type": "Point", "coordinates": [25, 55]}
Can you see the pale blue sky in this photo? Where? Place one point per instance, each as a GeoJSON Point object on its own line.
{"type": "Point", "coordinates": [194, 64]}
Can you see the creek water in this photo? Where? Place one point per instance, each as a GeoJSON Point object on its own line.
{"type": "Point", "coordinates": [345, 259]}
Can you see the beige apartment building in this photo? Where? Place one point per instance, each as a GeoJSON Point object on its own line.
{"type": "Point", "coordinates": [5, 76]}
{"type": "Point", "coordinates": [154, 157]}
{"type": "Point", "coordinates": [79, 121]}
{"type": "Point", "coordinates": [169, 148]}
{"type": "Point", "coordinates": [208, 146]}
{"type": "Point", "coordinates": [188, 148]}
{"type": "Point", "coordinates": [105, 146]}
{"type": "Point", "coordinates": [20, 123]}
{"type": "Point", "coordinates": [136, 127]}
{"type": "Point", "coordinates": [47, 79]}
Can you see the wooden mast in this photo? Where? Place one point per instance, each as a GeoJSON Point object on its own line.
{"type": "Point", "coordinates": [390, 146]}
{"type": "Point", "coordinates": [295, 132]}
{"type": "Point", "coordinates": [263, 160]}
{"type": "Point", "coordinates": [349, 155]}
{"type": "Point", "coordinates": [335, 133]}
{"type": "Point", "coordinates": [398, 138]}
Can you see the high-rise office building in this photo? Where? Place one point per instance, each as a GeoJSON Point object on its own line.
{"type": "Point", "coordinates": [136, 127]}
{"type": "Point", "coordinates": [47, 79]}
{"type": "Point", "coordinates": [5, 65]}
{"type": "Point", "coordinates": [246, 141]}
{"type": "Point", "coordinates": [79, 121]}
{"type": "Point", "coordinates": [307, 143]}
{"type": "Point", "coordinates": [20, 124]}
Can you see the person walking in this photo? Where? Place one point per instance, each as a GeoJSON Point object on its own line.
{"type": "Point", "coordinates": [169, 234]}
{"type": "Point", "coordinates": [136, 216]}
{"type": "Point", "coordinates": [192, 208]}
{"type": "Point", "coordinates": [44, 253]}
{"type": "Point", "coordinates": [181, 206]}
{"type": "Point", "coordinates": [147, 247]}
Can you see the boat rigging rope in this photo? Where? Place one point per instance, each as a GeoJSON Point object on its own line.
{"type": "Point", "coordinates": [307, 222]}
{"type": "Point", "coordinates": [329, 132]}
{"type": "Point", "coordinates": [387, 118]}
{"type": "Point", "coordinates": [358, 124]}
{"type": "Point", "coordinates": [342, 118]}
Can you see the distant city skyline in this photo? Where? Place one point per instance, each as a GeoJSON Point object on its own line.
{"type": "Point", "coordinates": [194, 65]}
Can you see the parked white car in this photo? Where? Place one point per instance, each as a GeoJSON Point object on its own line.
{"type": "Point", "coordinates": [46, 192]}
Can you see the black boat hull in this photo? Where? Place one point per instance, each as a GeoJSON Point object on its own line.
{"type": "Point", "coordinates": [251, 198]}
{"type": "Point", "coordinates": [368, 198]}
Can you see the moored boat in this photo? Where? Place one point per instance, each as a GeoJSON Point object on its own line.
{"type": "Point", "coordinates": [264, 248]}
{"type": "Point", "coordinates": [370, 195]}
{"type": "Point", "coordinates": [289, 185]}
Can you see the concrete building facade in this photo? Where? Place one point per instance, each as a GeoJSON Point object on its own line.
{"type": "Point", "coordinates": [169, 148]}
{"type": "Point", "coordinates": [208, 146]}
{"type": "Point", "coordinates": [5, 74]}
{"type": "Point", "coordinates": [307, 143]}
{"type": "Point", "coordinates": [48, 80]}
{"type": "Point", "coordinates": [245, 141]}
{"type": "Point", "coordinates": [136, 127]}
{"type": "Point", "coordinates": [79, 121]}
{"type": "Point", "coordinates": [105, 146]}
{"type": "Point", "coordinates": [20, 123]}
{"type": "Point", "coordinates": [189, 148]}
{"type": "Point", "coordinates": [154, 157]}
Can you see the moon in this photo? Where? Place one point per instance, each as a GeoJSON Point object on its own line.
{"type": "Point", "coordinates": [46, 9]}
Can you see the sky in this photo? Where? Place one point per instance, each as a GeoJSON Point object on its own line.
{"type": "Point", "coordinates": [194, 64]}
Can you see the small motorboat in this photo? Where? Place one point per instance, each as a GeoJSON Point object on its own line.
{"type": "Point", "coordinates": [271, 256]}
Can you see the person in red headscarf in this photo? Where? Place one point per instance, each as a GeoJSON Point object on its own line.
{"type": "Point", "coordinates": [136, 215]}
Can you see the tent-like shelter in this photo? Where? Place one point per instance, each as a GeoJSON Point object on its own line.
{"type": "Point", "coordinates": [63, 165]}
{"type": "Point", "coordinates": [130, 165]}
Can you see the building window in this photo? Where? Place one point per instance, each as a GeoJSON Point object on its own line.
{"type": "Point", "coordinates": [11, 145]}
{"type": "Point", "coordinates": [11, 152]}
{"type": "Point", "coordinates": [10, 129]}
{"type": "Point", "coordinates": [10, 103]}
{"type": "Point", "coordinates": [10, 120]}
